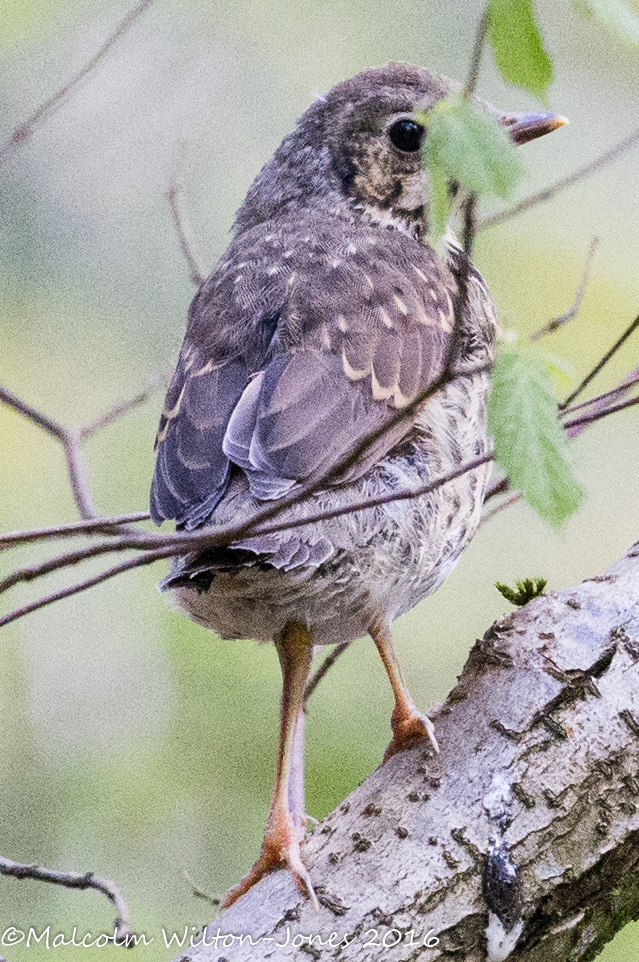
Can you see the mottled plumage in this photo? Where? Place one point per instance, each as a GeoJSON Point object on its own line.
{"type": "Point", "coordinates": [327, 314]}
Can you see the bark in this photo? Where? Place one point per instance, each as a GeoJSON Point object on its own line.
{"type": "Point", "coordinates": [519, 841]}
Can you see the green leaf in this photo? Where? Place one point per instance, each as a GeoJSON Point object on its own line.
{"type": "Point", "coordinates": [471, 147]}
{"type": "Point", "coordinates": [616, 15]}
{"type": "Point", "coordinates": [517, 45]}
{"type": "Point", "coordinates": [440, 203]}
{"type": "Point", "coordinates": [524, 591]}
{"type": "Point", "coordinates": [530, 444]}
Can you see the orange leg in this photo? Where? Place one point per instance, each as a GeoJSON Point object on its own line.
{"type": "Point", "coordinates": [408, 724]}
{"type": "Point", "coordinates": [283, 833]}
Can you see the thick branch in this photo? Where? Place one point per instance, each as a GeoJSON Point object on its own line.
{"type": "Point", "coordinates": [539, 771]}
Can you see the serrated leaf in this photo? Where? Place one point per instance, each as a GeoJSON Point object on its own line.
{"type": "Point", "coordinates": [517, 45]}
{"type": "Point", "coordinates": [471, 147]}
{"type": "Point", "coordinates": [530, 445]}
{"type": "Point", "coordinates": [616, 15]}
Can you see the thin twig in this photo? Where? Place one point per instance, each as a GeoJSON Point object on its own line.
{"type": "Point", "coordinates": [601, 364]}
{"type": "Point", "coordinates": [44, 111]}
{"type": "Point", "coordinates": [179, 543]}
{"type": "Point", "coordinates": [75, 589]}
{"type": "Point", "coordinates": [603, 160]}
{"type": "Point", "coordinates": [497, 487]}
{"type": "Point", "coordinates": [495, 509]}
{"type": "Point", "coordinates": [180, 220]}
{"type": "Point", "coordinates": [475, 60]}
{"type": "Point", "coordinates": [598, 415]}
{"type": "Point", "coordinates": [199, 894]}
{"type": "Point", "coordinates": [78, 474]}
{"type": "Point", "coordinates": [608, 396]}
{"type": "Point", "coordinates": [48, 424]}
{"type": "Point", "coordinates": [97, 526]}
{"type": "Point", "coordinates": [573, 310]}
{"type": "Point", "coordinates": [32, 572]}
{"type": "Point", "coordinates": [69, 438]}
{"type": "Point", "coordinates": [122, 935]}
{"type": "Point", "coordinates": [326, 665]}
{"type": "Point", "coordinates": [121, 408]}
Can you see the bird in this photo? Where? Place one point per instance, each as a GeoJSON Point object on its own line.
{"type": "Point", "coordinates": [328, 316]}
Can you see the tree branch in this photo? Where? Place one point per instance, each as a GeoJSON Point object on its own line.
{"type": "Point", "coordinates": [138, 562]}
{"type": "Point", "coordinates": [549, 193]}
{"type": "Point", "coordinates": [123, 934]}
{"type": "Point", "coordinates": [180, 220]}
{"type": "Point", "coordinates": [61, 96]}
{"type": "Point", "coordinates": [69, 438]}
{"type": "Point", "coordinates": [573, 310]}
{"type": "Point", "coordinates": [97, 526]}
{"type": "Point", "coordinates": [122, 408]}
{"type": "Point", "coordinates": [525, 827]}
{"type": "Point", "coordinates": [601, 363]}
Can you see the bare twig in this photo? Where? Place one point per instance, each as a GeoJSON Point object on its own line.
{"type": "Point", "coordinates": [89, 527]}
{"type": "Point", "coordinates": [501, 506]}
{"type": "Point", "coordinates": [171, 545]}
{"type": "Point", "coordinates": [168, 545]}
{"type": "Point", "coordinates": [44, 111]}
{"type": "Point", "coordinates": [604, 400]}
{"type": "Point", "coordinates": [598, 415]}
{"type": "Point", "coordinates": [497, 487]}
{"type": "Point", "coordinates": [199, 894]}
{"type": "Point", "coordinates": [573, 310]}
{"type": "Point", "coordinates": [601, 364]}
{"type": "Point", "coordinates": [69, 438]}
{"type": "Point", "coordinates": [180, 220]}
{"type": "Point", "coordinates": [548, 193]}
{"type": "Point", "coordinates": [475, 59]}
{"type": "Point", "coordinates": [326, 665]}
{"type": "Point", "coordinates": [138, 562]}
{"type": "Point", "coordinates": [72, 438]}
{"type": "Point", "coordinates": [121, 408]}
{"type": "Point", "coordinates": [122, 935]}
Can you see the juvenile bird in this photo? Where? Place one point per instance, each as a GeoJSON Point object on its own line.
{"type": "Point", "coordinates": [328, 314]}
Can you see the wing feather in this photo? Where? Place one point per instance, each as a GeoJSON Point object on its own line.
{"type": "Point", "coordinates": [298, 346]}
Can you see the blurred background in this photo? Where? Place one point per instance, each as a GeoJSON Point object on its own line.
{"type": "Point", "coordinates": [132, 742]}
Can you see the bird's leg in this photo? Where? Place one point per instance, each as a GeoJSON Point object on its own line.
{"type": "Point", "coordinates": [283, 833]}
{"type": "Point", "coordinates": [296, 799]}
{"type": "Point", "coordinates": [407, 722]}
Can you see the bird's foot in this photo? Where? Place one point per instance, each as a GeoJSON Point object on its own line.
{"type": "Point", "coordinates": [408, 730]}
{"type": "Point", "coordinates": [280, 848]}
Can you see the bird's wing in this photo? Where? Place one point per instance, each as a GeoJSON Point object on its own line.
{"type": "Point", "coordinates": [296, 350]}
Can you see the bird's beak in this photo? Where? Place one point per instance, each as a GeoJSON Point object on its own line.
{"type": "Point", "coordinates": [525, 127]}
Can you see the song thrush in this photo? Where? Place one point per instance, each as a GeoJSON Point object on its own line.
{"type": "Point", "coordinates": [327, 314]}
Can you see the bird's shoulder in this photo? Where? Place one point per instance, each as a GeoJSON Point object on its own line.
{"type": "Point", "coordinates": [315, 277]}
{"type": "Point", "coordinates": [307, 335]}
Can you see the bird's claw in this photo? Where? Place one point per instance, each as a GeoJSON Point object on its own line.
{"type": "Point", "coordinates": [407, 731]}
{"type": "Point", "coordinates": [280, 848]}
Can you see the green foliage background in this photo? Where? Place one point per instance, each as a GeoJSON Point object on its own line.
{"type": "Point", "coordinates": [132, 742]}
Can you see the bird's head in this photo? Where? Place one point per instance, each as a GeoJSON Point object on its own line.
{"type": "Point", "coordinates": [359, 149]}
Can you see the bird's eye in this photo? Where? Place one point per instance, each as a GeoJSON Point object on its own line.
{"type": "Point", "coordinates": [406, 135]}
